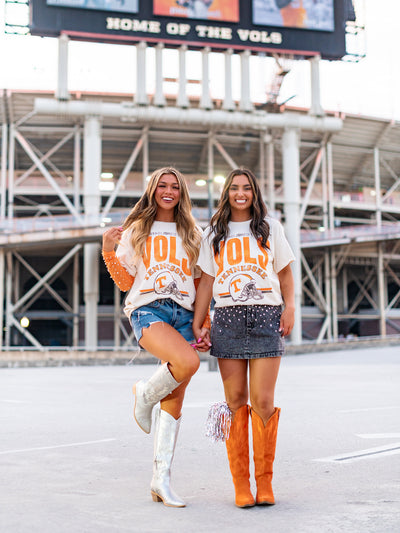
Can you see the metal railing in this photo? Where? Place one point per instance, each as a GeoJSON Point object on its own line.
{"type": "Point", "coordinates": [355, 233]}
{"type": "Point", "coordinates": [59, 222]}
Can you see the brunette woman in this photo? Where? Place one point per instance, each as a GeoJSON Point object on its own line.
{"type": "Point", "coordinates": [245, 261]}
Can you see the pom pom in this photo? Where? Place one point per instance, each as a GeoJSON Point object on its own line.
{"type": "Point", "coordinates": [219, 422]}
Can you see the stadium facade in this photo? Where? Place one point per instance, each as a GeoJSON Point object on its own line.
{"type": "Point", "coordinates": [73, 163]}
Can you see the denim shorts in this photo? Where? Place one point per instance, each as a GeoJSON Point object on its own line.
{"type": "Point", "coordinates": [247, 332]}
{"type": "Point", "coordinates": [163, 310]}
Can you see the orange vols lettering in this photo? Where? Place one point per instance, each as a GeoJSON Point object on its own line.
{"type": "Point", "coordinates": [238, 251]}
{"type": "Point", "coordinates": [172, 255]}
{"type": "Point", "coordinates": [160, 248]}
{"type": "Point", "coordinates": [185, 267]}
{"type": "Point", "coordinates": [147, 253]}
{"type": "Point", "coordinates": [247, 256]}
{"type": "Point", "coordinates": [219, 258]}
{"type": "Point", "coordinates": [234, 251]}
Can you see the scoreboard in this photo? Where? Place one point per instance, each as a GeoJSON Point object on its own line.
{"type": "Point", "coordinates": [300, 27]}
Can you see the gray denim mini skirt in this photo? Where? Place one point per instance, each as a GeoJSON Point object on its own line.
{"type": "Point", "coordinates": [247, 332]}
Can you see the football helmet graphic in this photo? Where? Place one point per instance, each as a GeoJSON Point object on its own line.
{"type": "Point", "coordinates": [165, 284]}
{"type": "Point", "coordinates": [242, 287]}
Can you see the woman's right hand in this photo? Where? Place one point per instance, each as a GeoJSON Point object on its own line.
{"type": "Point", "coordinates": [111, 237]}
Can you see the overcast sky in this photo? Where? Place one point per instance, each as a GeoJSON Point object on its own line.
{"type": "Point", "coordinates": [369, 87]}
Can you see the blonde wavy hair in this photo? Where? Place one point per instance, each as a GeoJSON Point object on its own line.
{"type": "Point", "coordinates": [143, 214]}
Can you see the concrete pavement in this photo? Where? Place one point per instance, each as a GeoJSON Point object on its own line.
{"type": "Point", "coordinates": [73, 460]}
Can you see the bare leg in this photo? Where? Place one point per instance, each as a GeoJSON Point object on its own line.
{"type": "Point", "coordinates": [263, 376]}
{"type": "Point", "coordinates": [163, 341]}
{"type": "Point", "coordinates": [172, 403]}
{"type": "Point", "coordinates": [166, 344]}
{"type": "Point", "coordinates": [234, 378]}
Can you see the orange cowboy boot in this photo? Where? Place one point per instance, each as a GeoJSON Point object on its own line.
{"type": "Point", "coordinates": [264, 443]}
{"type": "Point", "coordinates": [237, 446]}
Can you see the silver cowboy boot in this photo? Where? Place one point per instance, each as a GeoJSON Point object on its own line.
{"type": "Point", "coordinates": [164, 446]}
{"type": "Point", "coordinates": [148, 393]}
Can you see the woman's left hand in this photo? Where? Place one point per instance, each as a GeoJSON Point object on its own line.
{"type": "Point", "coordinates": [287, 289]}
{"type": "Point", "coordinates": [287, 321]}
{"type": "Point", "coordinates": [203, 342]}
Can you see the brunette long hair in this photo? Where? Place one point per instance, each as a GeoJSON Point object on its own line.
{"type": "Point", "coordinates": [143, 214]}
{"type": "Point", "coordinates": [258, 225]}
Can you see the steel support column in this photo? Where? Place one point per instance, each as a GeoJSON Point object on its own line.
{"type": "Point", "coordinates": [9, 284]}
{"type": "Point", "coordinates": [324, 184]}
{"type": "Point", "coordinates": [182, 99]}
{"type": "Point", "coordinates": [75, 301]}
{"type": "Point", "coordinates": [228, 104]}
{"type": "Point", "coordinates": [3, 177]}
{"type": "Point", "coordinates": [245, 101]}
{"type": "Point", "coordinates": [316, 108]}
{"type": "Point", "coordinates": [145, 157]}
{"type": "Point", "coordinates": [381, 290]}
{"type": "Point", "coordinates": [331, 209]}
{"type": "Point", "coordinates": [141, 95]}
{"type": "Point", "coordinates": [77, 168]}
{"type": "Point", "coordinates": [378, 198]}
{"type": "Point", "coordinates": [2, 271]}
{"type": "Point", "coordinates": [11, 163]}
{"type": "Point", "coordinates": [335, 332]}
{"type": "Point", "coordinates": [62, 78]}
{"type": "Point", "coordinates": [205, 98]}
{"type": "Point", "coordinates": [345, 290]}
{"type": "Point", "coordinates": [270, 174]}
{"type": "Point", "coordinates": [328, 294]}
{"type": "Point", "coordinates": [261, 163]}
{"type": "Point", "coordinates": [159, 98]}
{"type": "Point", "coordinates": [291, 184]}
{"type": "Point", "coordinates": [91, 200]}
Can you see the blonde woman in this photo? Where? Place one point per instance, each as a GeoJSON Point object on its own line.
{"type": "Point", "coordinates": [158, 247]}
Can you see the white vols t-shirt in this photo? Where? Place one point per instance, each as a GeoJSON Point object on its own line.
{"type": "Point", "coordinates": [162, 272]}
{"type": "Point", "coordinates": [244, 272]}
